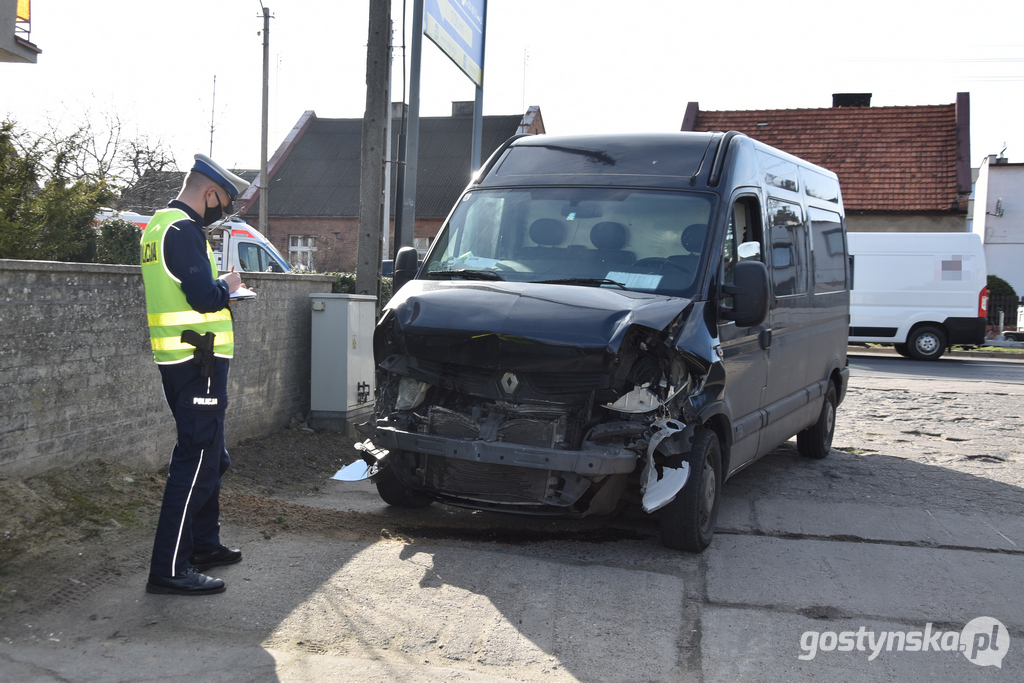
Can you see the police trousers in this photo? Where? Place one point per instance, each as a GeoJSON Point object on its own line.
{"type": "Point", "coordinates": [189, 516]}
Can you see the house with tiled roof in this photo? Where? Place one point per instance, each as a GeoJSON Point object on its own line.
{"type": "Point", "coordinates": [154, 189]}
{"type": "Point", "coordinates": [901, 169]}
{"type": "Point", "coordinates": [313, 180]}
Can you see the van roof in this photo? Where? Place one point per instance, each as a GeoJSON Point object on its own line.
{"type": "Point", "coordinates": [647, 159]}
{"type": "Point", "coordinates": [611, 159]}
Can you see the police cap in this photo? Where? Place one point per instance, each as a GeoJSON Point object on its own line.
{"type": "Point", "coordinates": [231, 183]}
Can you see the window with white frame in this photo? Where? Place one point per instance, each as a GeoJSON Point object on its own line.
{"type": "Point", "coordinates": [300, 250]}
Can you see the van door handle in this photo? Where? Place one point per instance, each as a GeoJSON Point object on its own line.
{"type": "Point", "coordinates": [765, 338]}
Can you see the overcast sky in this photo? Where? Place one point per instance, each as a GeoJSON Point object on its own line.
{"type": "Point", "coordinates": [591, 65]}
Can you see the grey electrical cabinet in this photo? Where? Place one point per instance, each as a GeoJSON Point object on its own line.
{"type": "Point", "coordinates": [341, 376]}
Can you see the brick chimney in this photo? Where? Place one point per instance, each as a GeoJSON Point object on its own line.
{"type": "Point", "coordinates": [851, 99]}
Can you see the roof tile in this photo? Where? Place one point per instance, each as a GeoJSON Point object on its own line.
{"type": "Point", "coordinates": [887, 158]}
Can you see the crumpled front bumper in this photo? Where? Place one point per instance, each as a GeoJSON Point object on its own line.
{"type": "Point", "coordinates": [591, 460]}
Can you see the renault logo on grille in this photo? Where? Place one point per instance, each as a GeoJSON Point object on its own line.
{"type": "Point", "coordinates": [509, 383]}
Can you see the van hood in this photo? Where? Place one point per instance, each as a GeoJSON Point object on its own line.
{"type": "Point", "coordinates": [522, 326]}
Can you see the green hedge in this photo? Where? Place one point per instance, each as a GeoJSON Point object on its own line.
{"type": "Point", "coordinates": [345, 283]}
{"type": "Point", "coordinates": [997, 286]}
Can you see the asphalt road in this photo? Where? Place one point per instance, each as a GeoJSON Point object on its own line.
{"type": "Point", "coordinates": [959, 368]}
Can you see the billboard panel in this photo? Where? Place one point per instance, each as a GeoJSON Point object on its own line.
{"type": "Point", "coordinates": [457, 27]}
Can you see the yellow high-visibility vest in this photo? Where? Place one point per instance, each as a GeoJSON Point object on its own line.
{"type": "Point", "coordinates": [169, 312]}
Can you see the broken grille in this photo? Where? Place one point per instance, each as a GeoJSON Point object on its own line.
{"type": "Point", "coordinates": [483, 481]}
{"type": "Point", "coordinates": [566, 382]}
{"type": "Point", "coordinates": [523, 431]}
{"type": "Point", "coordinates": [444, 422]}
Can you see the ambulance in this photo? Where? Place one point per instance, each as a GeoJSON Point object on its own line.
{"type": "Point", "coordinates": [247, 249]}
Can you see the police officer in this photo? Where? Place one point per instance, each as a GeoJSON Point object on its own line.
{"type": "Point", "coordinates": [184, 294]}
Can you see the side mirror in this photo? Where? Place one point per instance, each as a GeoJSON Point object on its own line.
{"type": "Point", "coordinates": [406, 265]}
{"type": "Point", "coordinates": [749, 293]}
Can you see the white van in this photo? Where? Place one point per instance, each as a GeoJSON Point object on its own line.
{"type": "Point", "coordinates": [922, 292]}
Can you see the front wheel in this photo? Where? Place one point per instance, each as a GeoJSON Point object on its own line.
{"type": "Point", "coordinates": [902, 350]}
{"type": "Point", "coordinates": [688, 522]}
{"type": "Point", "coordinates": [396, 492]}
{"type": "Point", "coordinates": [816, 441]}
{"type": "Point", "coordinates": [926, 343]}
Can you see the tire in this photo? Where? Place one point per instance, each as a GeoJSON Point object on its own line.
{"type": "Point", "coordinates": [397, 493]}
{"type": "Point", "coordinates": [926, 343]}
{"type": "Point", "coordinates": [688, 522]}
{"type": "Point", "coordinates": [816, 441]}
{"type": "Point", "coordinates": [902, 350]}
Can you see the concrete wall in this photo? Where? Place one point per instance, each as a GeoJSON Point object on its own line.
{"type": "Point", "coordinates": [1003, 235]}
{"type": "Point", "coordinates": [77, 378]}
{"type": "Point", "coordinates": [861, 222]}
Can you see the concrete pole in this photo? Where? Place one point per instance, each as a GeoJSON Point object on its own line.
{"type": "Point", "coordinates": [412, 140]}
{"type": "Point", "coordinates": [371, 182]}
{"type": "Point", "coordinates": [386, 218]}
{"type": "Point", "coordinates": [264, 187]}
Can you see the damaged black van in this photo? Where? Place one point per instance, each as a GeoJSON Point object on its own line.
{"type": "Point", "coordinates": [610, 320]}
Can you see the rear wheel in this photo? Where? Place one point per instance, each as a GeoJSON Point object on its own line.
{"type": "Point", "coordinates": [902, 350]}
{"type": "Point", "coordinates": [816, 441]}
{"type": "Point", "coordinates": [688, 522]}
{"type": "Point", "coordinates": [397, 493]}
{"type": "Point", "coordinates": [926, 343]}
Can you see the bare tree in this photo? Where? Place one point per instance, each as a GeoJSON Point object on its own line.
{"type": "Point", "coordinates": [103, 152]}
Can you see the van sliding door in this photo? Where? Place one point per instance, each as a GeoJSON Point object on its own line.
{"type": "Point", "coordinates": [791, 320]}
{"type": "Point", "coordinates": [743, 355]}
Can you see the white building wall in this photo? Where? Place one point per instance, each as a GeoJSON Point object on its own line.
{"type": "Point", "coordinates": [1001, 184]}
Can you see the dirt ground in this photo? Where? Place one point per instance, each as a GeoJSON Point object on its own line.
{"type": "Point", "coordinates": [49, 519]}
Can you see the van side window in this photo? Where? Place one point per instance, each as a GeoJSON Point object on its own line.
{"type": "Point", "coordinates": [254, 258]}
{"type": "Point", "coordinates": [248, 257]}
{"type": "Point", "coordinates": [829, 249]}
{"type": "Point", "coordinates": [744, 226]}
{"type": "Point", "coordinates": [778, 172]}
{"type": "Point", "coordinates": [789, 248]}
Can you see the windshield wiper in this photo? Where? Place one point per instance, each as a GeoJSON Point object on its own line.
{"type": "Point", "coordinates": [582, 281]}
{"type": "Point", "coordinates": [467, 274]}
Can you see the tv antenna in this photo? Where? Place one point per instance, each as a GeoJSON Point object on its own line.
{"type": "Point", "coordinates": [213, 111]}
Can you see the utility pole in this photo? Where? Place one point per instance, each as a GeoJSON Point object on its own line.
{"type": "Point", "coordinates": [388, 161]}
{"type": "Point", "coordinates": [372, 167]}
{"type": "Point", "coordinates": [264, 186]}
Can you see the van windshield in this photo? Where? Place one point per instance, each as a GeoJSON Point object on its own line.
{"type": "Point", "coordinates": [640, 240]}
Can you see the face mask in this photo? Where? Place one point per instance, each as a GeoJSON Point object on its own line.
{"type": "Point", "coordinates": [212, 214]}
